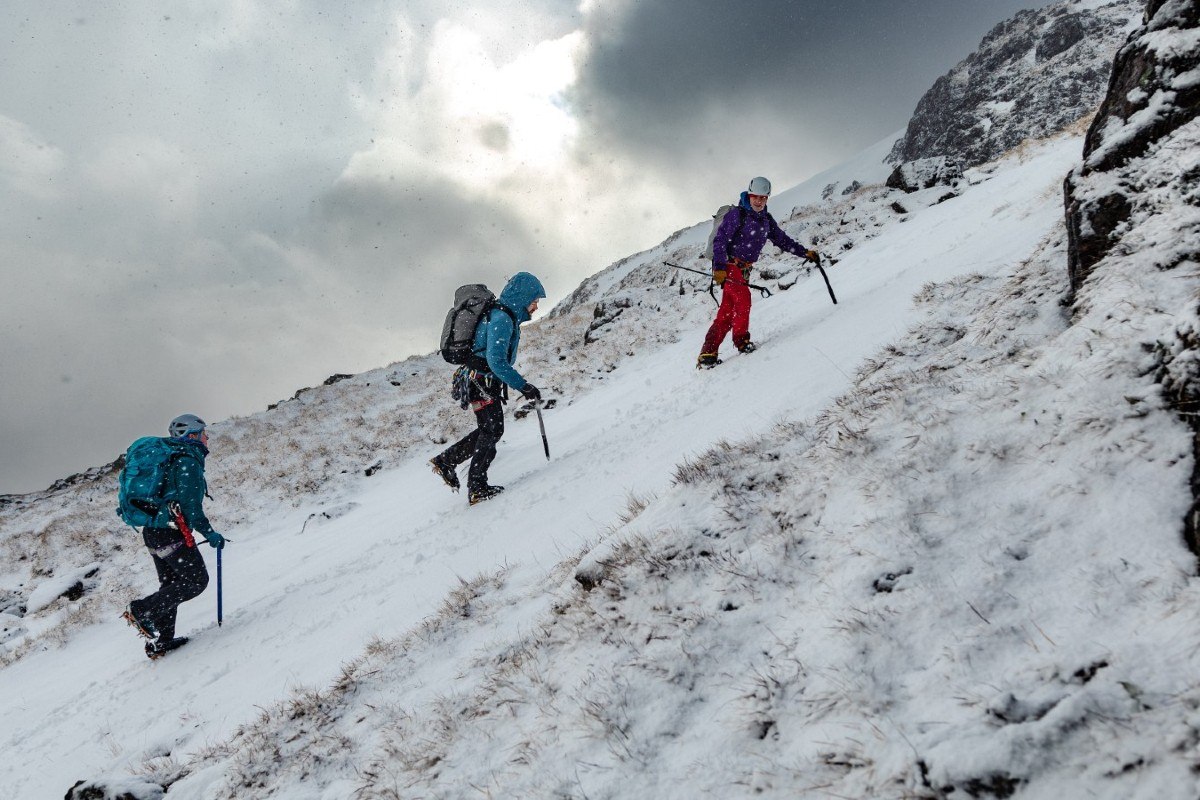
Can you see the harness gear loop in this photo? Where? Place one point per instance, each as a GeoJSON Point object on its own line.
{"type": "Point", "coordinates": [742, 264]}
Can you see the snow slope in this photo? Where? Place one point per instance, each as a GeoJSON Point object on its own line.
{"type": "Point", "coordinates": [622, 691]}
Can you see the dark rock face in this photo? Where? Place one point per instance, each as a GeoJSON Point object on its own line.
{"type": "Point", "coordinates": [1150, 82]}
{"type": "Point", "coordinates": [132, 789]}
{"type": "Point", "coordinates": [1063, 34]}
{"type": "Point", "coordinates": [912, 176]}
{"type": "Point", "coordinates": [1090, 225]}
{"type": "Point", "coordinates": [1152, 92]}
{"type": "Point", "coordinates": [1032, 76]}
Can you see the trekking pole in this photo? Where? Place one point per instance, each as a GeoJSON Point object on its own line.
{"type": "Point", "coordinates": [762, 289]}
{"type": "Point", "coordinates": [828, 285]}
{"type": "Point", "coordinates": [220, 615]}
{"type": "Point", "coordinates": [537, 406]}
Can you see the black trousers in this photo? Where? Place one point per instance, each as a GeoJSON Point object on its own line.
{"type": "Point", "coordinates": [182, 576]}
{"type": "Point", "coordinates": [479, 445]}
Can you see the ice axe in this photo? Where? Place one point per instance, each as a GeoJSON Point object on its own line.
{"type": "Point", "coordinates": [220, 615]}
{"type": "Point", "coordinates": [537, 406]}
{"type": "Point", "coordinates": [764, 291]}
{"type": "Point", "coordinates": [828, 285]}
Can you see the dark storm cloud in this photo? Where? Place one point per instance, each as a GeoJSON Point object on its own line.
{"type": "Point", "coordinates": [407, 243]}
{"type": "Point", "coordinates": [709, 76]}
{"type": "Point", "coordinates": [194, 214]}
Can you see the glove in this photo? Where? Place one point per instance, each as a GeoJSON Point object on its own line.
{"type": "Point", "coordinates": [531, 393]}
{"type": "Point", "coordinates": [215, 539]}
{"type": "Point", "coordinates": [813, 256]}
{"type": "Point", "coordinates": [719, 276]}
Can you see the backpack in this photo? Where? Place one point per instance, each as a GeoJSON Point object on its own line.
{"type": "Point", "coordinates": [471, 305]}
{"type": "Point", "coordinates": [143, 480]}
{"type": "Point", "coordinates": [718, 218]}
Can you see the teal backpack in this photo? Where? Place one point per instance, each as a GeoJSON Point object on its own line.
{"type": "Point", "coordinates": [143, 481]}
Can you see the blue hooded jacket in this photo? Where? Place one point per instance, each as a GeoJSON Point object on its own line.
{"type": "Point", "coordinates": [497, 339]}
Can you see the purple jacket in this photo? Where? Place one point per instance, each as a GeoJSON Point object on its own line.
{"type": "Point", "coordinates": [748, 241]}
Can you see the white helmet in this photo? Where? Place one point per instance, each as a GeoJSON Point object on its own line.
{"type": "Point", "coordinates": [759, 185]}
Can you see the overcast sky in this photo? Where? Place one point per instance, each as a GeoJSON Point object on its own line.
{"type": "Point", "coordinates": [205, 206]}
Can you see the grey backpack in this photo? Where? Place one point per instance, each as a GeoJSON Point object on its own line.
{"type": "Point", "coordinates": [718, 218]}
{"type": "Point", "coordinates": [471, 303]}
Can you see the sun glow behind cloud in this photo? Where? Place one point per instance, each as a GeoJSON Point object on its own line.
{"type": "Point", "coordinates": [472, 119]}
{"type": "Point", "coordinates": [488, 118]}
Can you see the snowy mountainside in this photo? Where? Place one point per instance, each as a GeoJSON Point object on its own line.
{"type": "Point", "coordinates": [370, 559]}
{"type": "Point", "coordinates": [911, 550]}
{"type": "Point", "coordinates": [943, 583]}
{"type": "Point", "coordinates": [316, 449]}
{"type": "Point", "coordinates": [1135, 195]}
{"type": "Point", "coordinates": [1032, 75]}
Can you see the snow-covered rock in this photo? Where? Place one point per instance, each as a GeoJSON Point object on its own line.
{"type": "Point", "coordinates": [1032, 75]}
{"type": "Point", "coordinates": [116, 789]}
{"type": "Point", "coordinates": [1153, 95]}
{"type": "Point", "coordinates": [924, 173]}
{"type": "Point", "coordinates": [69, 583]}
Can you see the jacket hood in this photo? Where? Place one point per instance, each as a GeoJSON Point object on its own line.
{"type": "Point", "coordinates": [521, 290]}
{"type": "Point", "coordinates": [191, 447]}
{"type": "Point", "coordinates": [744, 202]}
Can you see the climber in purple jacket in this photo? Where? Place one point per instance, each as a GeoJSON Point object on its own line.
{"type": "Point", "coordinates": [737, 244]}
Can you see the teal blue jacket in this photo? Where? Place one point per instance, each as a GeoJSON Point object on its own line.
{"type": "Point", "coordinates": [186, 485]}
{"type": "Point", "coordinates": [497, 340]}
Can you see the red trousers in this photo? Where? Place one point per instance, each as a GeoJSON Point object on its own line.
{"type": "Point", "coordinates": [734, 313]}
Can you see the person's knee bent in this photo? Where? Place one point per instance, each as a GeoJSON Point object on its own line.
{"type": "Point", "coordinates": [193, 578]}
{"type": "Point", "coordinates": [196, 584]}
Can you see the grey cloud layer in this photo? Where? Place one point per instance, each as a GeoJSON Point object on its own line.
{"type": "Point", "coordinates": [178, 231]}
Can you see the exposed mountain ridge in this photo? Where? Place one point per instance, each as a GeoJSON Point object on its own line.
{"type": "Point", "coordinates": [1032, 75]}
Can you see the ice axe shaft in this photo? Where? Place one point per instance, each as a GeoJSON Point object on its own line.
{"type": "Point", "coordinates": [763, 290]}
{"type": "Point", "coordinates": [220, 611]}
{"type": "Point", "coordinates": [537, 406]}
{"type": "Point", "coordinates": [828, 285]}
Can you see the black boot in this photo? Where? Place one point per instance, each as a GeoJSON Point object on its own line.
{"type": "Point", "coordinates": [158, 649]}
{"type": "Point", "coordinates": [484, 493]}
{"type": "Point", "coordinates": [445, 471]}
{"type": "Point", "coordinates": [141, 624]}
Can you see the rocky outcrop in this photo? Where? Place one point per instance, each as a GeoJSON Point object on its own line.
{"type": "Point", "coordinates": [116, 789]}
{"type": "Point", "coordinates": [1032, 75]}
{"type": "Point", "coordinates": [912, 176]}
{"type": "Point", "coordinates": [1153, 91]}
{"type": "Point", "coordinates": [1133, 205]}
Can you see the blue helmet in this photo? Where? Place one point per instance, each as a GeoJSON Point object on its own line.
{"type": "Point", "coordinates": [186, 424]}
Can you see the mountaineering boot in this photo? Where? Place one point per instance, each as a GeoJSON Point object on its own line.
{"type": "Point", "coordinates": [156, 650]}
{"type": "Point", "coordinates": [142, 625]}
{"type": "Point", "coordinates": [707, 361]}
{"type": "Point", "coordinates": [748, 347]}
{"type": "Point", "coordinates": [445, 472]}
{"type": "Point", "coordinates": [484, 493]}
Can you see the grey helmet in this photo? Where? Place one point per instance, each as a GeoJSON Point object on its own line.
{"type": "Point", "coordinates": [184, 424]}
{"type": "Point", "coordinates": [759, 185]}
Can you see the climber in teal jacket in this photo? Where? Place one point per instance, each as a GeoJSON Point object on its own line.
{"type": "Point", "coordinates": [482, 383]}
{"type": "Point", "coordinates": [171, 539]}
{"type": "Point", "coordinates": [497, 338]}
